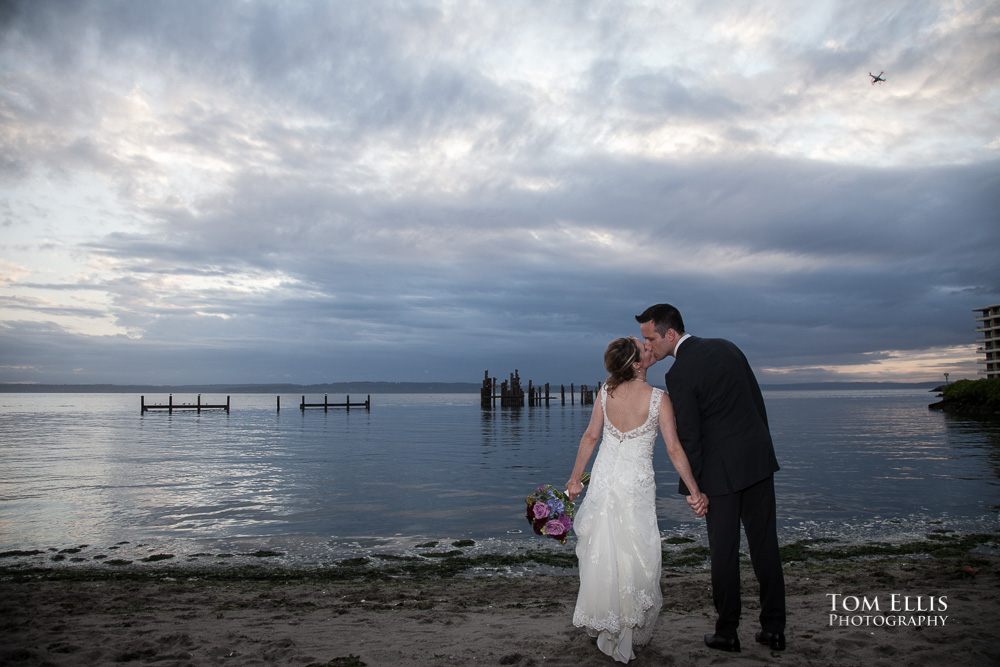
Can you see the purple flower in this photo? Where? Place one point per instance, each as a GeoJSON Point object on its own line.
{"type": "Point", "coordinates": [555, 528]}
{"type": "Point", "coordinates": [566, 522]}
{"type": "Point", "coordinates": [541, 510]}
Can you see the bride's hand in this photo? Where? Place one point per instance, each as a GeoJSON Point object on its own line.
{"type": "Point", "coordinates": [573, 489]}
{"type": "Point", "coordinates": [699, 504]}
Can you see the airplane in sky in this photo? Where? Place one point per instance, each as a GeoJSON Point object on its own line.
{"type": "Point", "coordinates": [877, 79]}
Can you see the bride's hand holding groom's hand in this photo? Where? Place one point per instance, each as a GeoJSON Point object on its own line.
{"type": "Point", "coordinates": [698, 503]}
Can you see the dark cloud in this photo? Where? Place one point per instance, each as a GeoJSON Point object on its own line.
{"type": "Point", "coordinates": [258, 191]}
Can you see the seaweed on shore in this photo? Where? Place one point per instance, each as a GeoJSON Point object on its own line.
{"type": "Point", "coordinates": [377, 567]}
{"type": "Point", "coordinates": [689, 557]}
{"type": "Point", "coordinates": [937, 545]}
{"type": "Point", "coordinates": [443, 565]}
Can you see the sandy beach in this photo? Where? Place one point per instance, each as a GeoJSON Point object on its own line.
{"type": "Point", "coordinates": [171, 617]}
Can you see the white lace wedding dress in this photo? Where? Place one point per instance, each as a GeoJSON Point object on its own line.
{"type": "Point", "coordinates": [619, 541]}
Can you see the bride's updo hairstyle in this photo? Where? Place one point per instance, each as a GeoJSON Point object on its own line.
{"type": "Point", "coordinates": [618, 360]}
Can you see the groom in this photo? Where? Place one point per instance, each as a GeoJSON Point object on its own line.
{"type": "Point", "coordinates": [722, 425]}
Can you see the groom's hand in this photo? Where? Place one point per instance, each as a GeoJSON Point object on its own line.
{"type": "Point", "coordinates": [698, 503]}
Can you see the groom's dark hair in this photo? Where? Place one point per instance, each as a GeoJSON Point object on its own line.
{"type": "Point", "coordinates": [664, 316]}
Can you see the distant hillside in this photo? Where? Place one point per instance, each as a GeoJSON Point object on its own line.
{"type": "Point", "coordinates": [375, 388]}
{"type": "Point", "coordinates": [331, 388]}
{"type": "Point", "coordinates": [814, 386]}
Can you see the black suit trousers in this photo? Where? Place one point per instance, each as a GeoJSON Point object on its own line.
{"type": "Point", "coordinates": [754, 507]}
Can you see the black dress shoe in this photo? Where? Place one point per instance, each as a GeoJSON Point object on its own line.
{"type": "Point", "coordinates": [776, 640]}
{"type": "Point", "coordinates": [723, 644]}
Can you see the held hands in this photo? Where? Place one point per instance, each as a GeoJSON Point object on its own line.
{"type": "Point", "coordinates": [698, 503]}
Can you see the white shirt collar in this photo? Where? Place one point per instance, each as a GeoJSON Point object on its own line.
{"type": "Point", "coordinates": [678, 343]}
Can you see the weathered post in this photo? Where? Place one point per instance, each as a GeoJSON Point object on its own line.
{"type": "Point", "coordinates": [485, 394]}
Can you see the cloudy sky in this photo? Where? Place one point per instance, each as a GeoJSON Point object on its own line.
{"type": "Point", "coordinates": [313, 191]}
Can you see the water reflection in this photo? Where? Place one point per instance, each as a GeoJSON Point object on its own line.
{"type": "Point", "coordinates": [97, 470]}
{"type": "Point", "coordinates": [976, 438]}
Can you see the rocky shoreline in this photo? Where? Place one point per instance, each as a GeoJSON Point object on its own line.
{"type": "Point", "coordinates": [973, 398]}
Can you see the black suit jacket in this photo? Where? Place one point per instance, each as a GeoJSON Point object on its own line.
{"type": "Point", "coordinates": [721, 420]}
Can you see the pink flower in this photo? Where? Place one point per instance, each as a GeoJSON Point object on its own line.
{"type": "Point", "coordinates": [541, 510]}
{"type": "Point", "coordinates": [555, 528]}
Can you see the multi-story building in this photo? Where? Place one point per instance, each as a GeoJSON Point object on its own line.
{"type": "Point", "coordinates": [989, 340]}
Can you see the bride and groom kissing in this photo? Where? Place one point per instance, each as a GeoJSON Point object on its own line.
{"type": "Point", "coordinates": [714, 423]}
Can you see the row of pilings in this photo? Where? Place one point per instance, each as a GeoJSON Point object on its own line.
{"type": "Point", "coordinates": [510, 394]}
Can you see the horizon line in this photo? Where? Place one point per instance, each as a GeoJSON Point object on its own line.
{"type": "Point", "coordinates": [463, 385]}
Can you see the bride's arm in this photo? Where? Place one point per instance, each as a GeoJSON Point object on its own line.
{"type": "Point", "coordinates": [697, 499]}
{"type": "Point", "coordinates": [574, 487]}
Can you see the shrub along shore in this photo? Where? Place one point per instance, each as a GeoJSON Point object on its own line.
{"type": "Point", "coordinates": [970, 397]}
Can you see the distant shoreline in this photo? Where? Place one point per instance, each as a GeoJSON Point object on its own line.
{"type": "Point", "coordinates": [331, 388]}
{"type": "Point", "coordinates": [376, 388]}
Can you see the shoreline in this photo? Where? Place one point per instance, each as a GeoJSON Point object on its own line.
{"type": "Point", "coordinates": [446, 559]}
{"type": "Point", "coordinates": [319, 617]}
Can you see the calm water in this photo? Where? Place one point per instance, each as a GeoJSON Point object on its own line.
{"type": "Point", "coordinates": [90, 469]}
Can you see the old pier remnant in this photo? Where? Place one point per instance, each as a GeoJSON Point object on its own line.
{"type": "Point", "coordinates": [511, 394]}
{"type": "Point", "coordinates": [170, 406]}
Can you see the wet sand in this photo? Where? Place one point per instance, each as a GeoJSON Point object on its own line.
{"type": "Point", "coordinates": [192, 617]}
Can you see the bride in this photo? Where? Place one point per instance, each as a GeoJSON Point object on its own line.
{"type": "Point", "coordinates": [618, 538]}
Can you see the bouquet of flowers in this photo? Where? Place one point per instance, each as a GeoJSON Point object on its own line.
{"type": "Point", "coordinates": [550, 511]}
